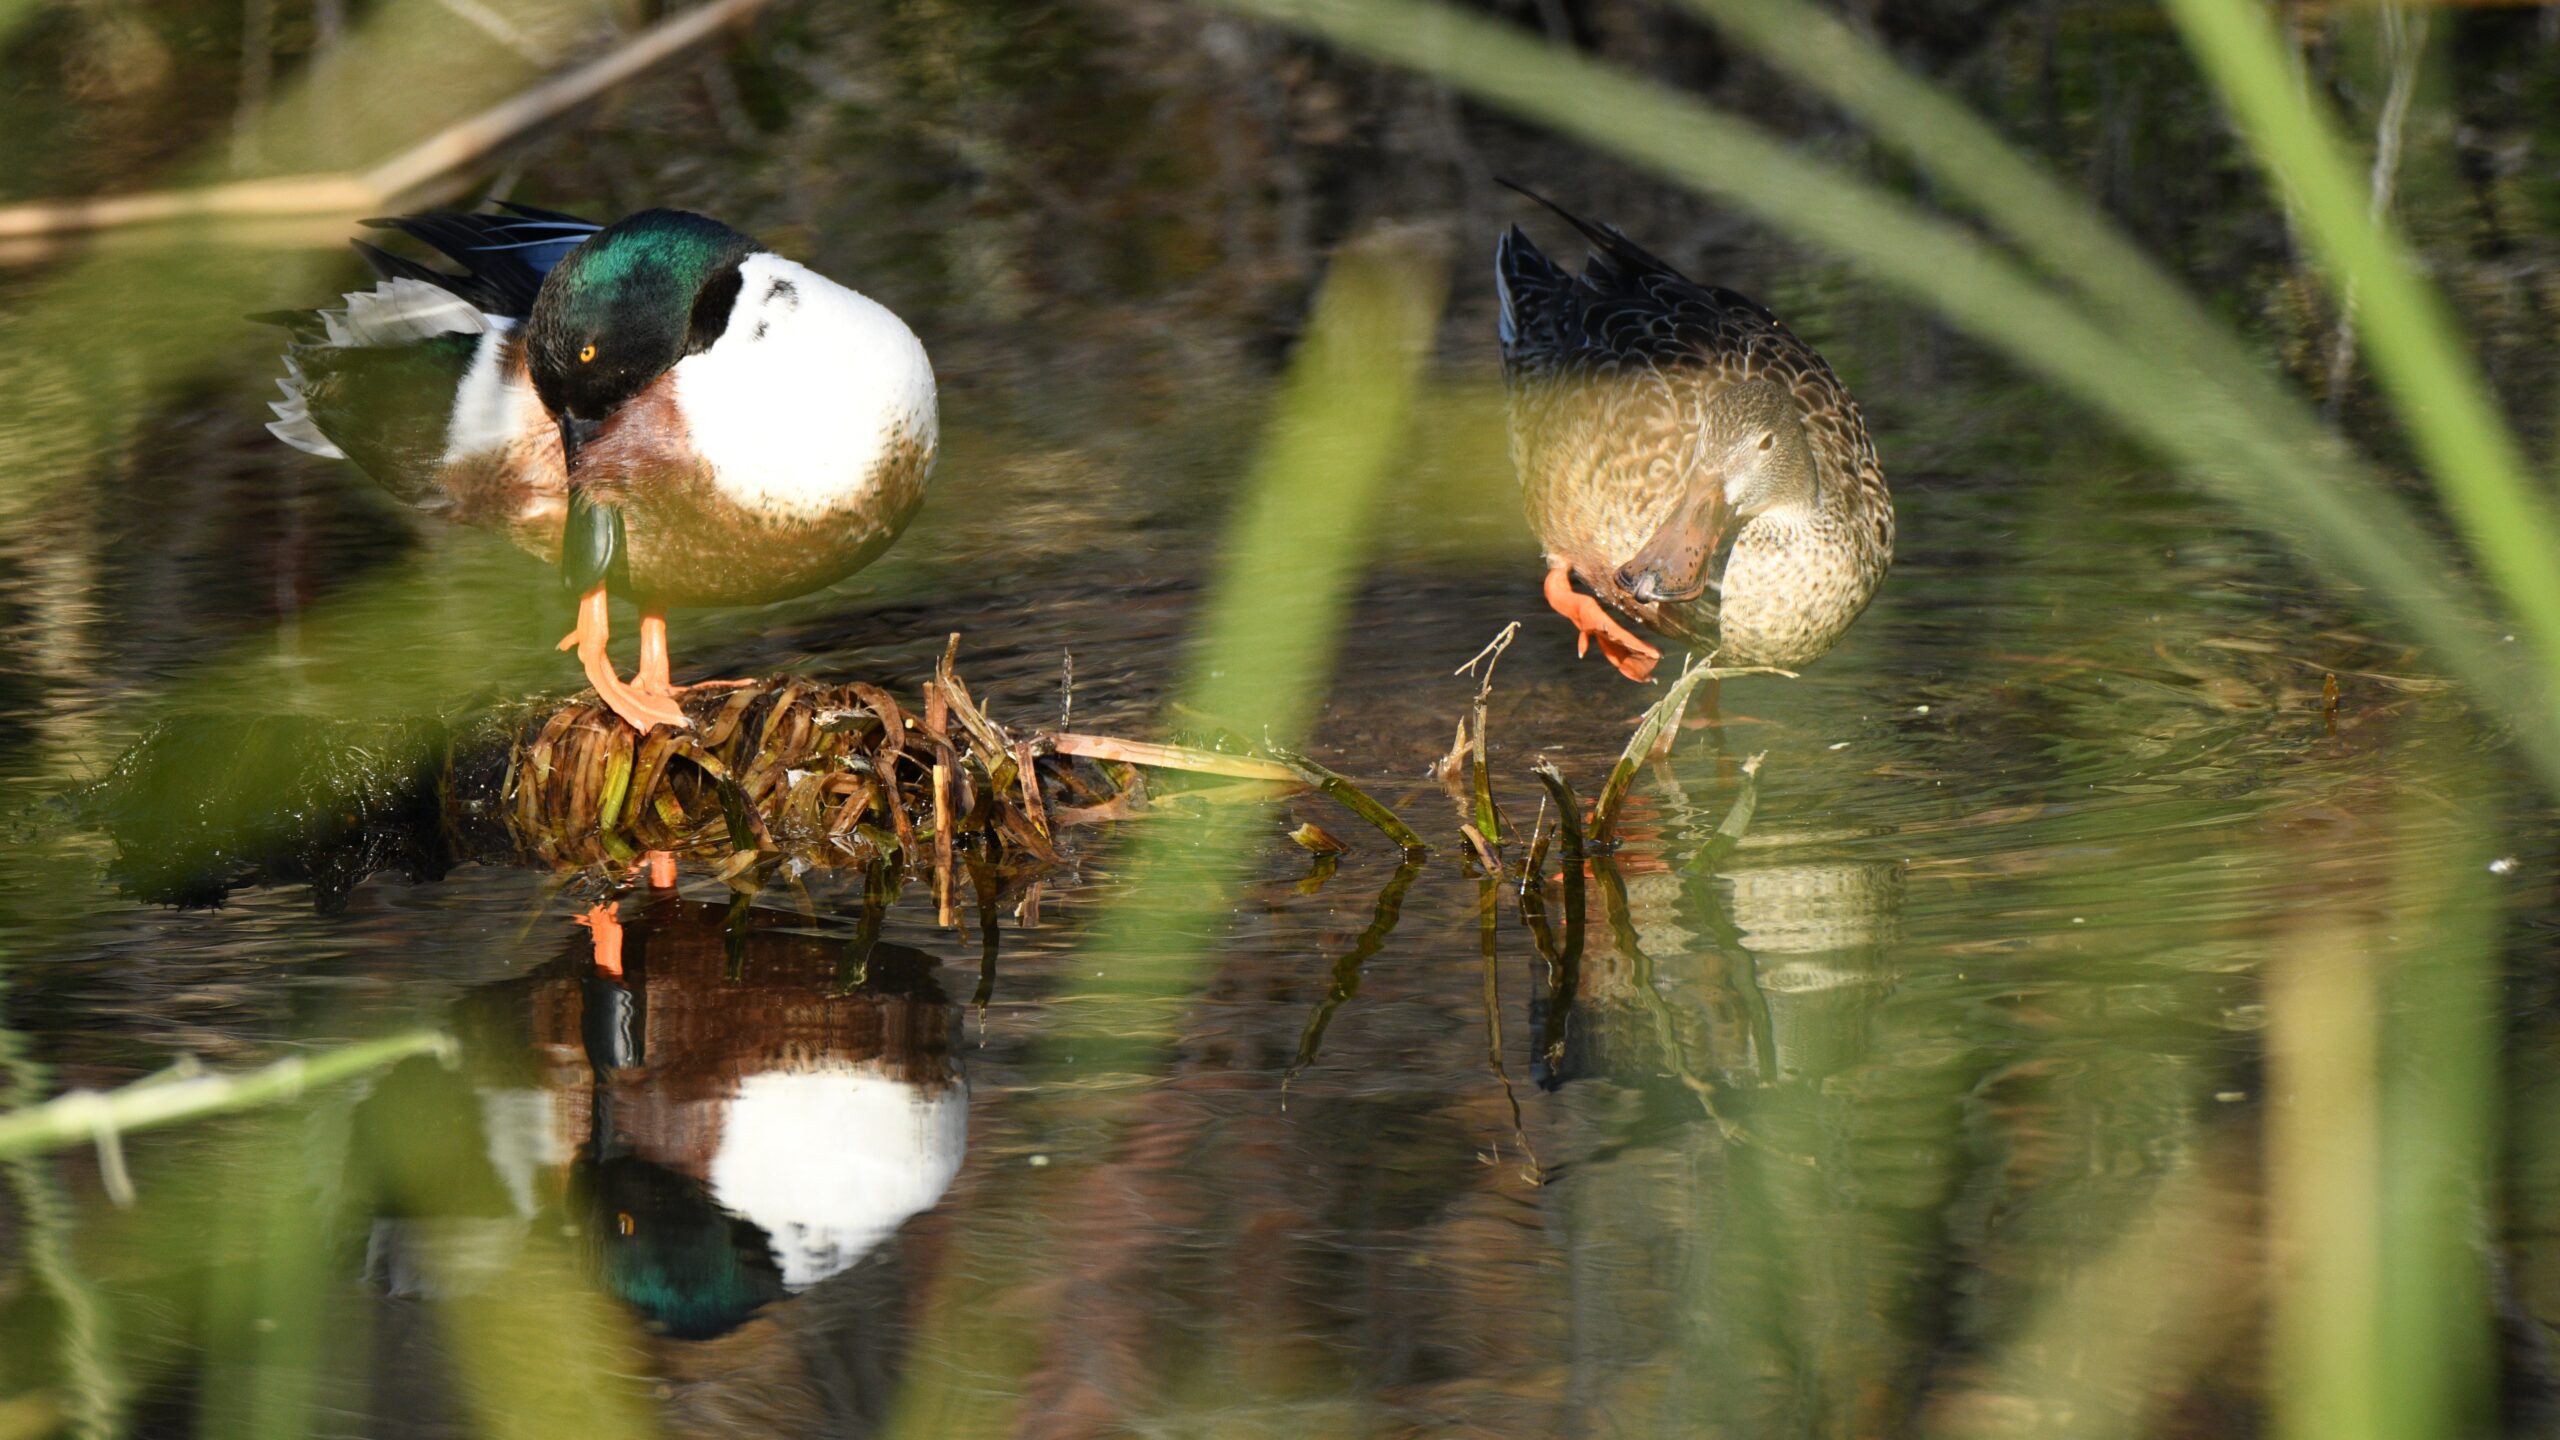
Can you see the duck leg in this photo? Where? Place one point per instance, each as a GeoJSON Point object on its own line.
{"type": "Point", "coordinates": [637, 707]}
{"type": "Point", "coordinates": [1633, 657]}
{"type": "Point", "coordinates": [655, 675]}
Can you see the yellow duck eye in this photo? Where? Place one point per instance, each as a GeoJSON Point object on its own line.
{"type": "Point", "coordinates": [587, 354]}
{"type": "Point", "coordinates": [622, 1223]}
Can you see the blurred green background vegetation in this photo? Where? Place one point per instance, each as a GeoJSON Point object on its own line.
{"type": "Point", "coordinates": [2101, 1035]}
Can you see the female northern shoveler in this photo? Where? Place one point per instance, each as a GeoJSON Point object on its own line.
{"type": "Point", "coordinates": [662, 405]}
{"type": "Point", "coordinates": [1650, 417]}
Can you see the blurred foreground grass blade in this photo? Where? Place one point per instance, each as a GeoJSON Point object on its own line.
{"type": "Point", "coordinates": [90, 1389]}
{"type": "Point", "coordinates": [2409, 335]}
{"type": "Point", "coordinates": [1267, 637]}
{"type": "Point", "coordinates": [86, 1116]}
{"type": "Point", "coordinates": [2442, 1094]}
{"type": "Point", "coordinates": [2362, 534]}
{"type": "Point", "coordinates": [1273, 618]}
{"type": "Point", "coordinates": [266, 1329]}
{"type": "Point", "coordinates": [2324, 1172]}
{"type": "Point", "coordinates": [2078, 246]}
{"type": "Point", "coordinates": [2109, 1345]}
{"type": "Point", "coordinates": [1966, 156]}
{"type": "Point", "coordinates": [2383, 1072]}
{"type": "Point", "coordinates": [14, 13]}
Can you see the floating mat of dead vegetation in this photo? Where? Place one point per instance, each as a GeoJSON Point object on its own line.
{"type": "Point", "coordinates": [774, 777]}
{"type": "Point", "coordinates": [776, 774]}
{"type": "Point", "coordinates": [835, 775]}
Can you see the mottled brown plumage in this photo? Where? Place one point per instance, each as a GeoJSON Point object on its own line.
{"type": "Point", "coordinates": [1652, 418]}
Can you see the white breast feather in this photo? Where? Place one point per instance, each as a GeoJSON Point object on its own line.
{"type": "Point", "coordinates": [807, 389]}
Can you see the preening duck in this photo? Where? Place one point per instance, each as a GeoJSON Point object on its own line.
{"type": "Point", "coordinates": [1654, 418]}
{"type": "Point", "coordinates": [661, 406]}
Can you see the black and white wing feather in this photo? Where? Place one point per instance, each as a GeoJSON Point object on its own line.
{"type": "Point", "coordinates": [504, 257]}
{"type": "Point", "coordinates": [404, 378]}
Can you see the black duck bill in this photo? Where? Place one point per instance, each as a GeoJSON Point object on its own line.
{"type": "Point", "coordinates": [1671, 568]}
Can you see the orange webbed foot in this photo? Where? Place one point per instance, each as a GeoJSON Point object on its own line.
{"type": "Point", "coordinates": [638, 706]}
{"type": "Point", "coordinates": [605, 921]}
{"type": "Point", "coordinates": [1633, 657]}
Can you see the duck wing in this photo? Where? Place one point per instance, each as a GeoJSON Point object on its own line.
{"type": "Point", "coordinates": [1631, 309]}
{"type": "Point", "coordinates": [385, 406]}
{"type": "Point", "coordinates": [504, 257]}
{"type": "Point", "coordinates": [1632, 315]}
{"type": "Point", "coordinates": [420, 381]}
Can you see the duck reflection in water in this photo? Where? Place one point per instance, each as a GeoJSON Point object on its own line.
{"type": "Point", "coordinates": [1682, 953]}
{"type": "Point", "coordinates": [1799, 1144]}
{"type": "Point", "coordinates": [721, 1112]}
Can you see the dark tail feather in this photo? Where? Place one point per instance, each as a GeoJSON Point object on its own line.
{"type": "Point", "coordinates": [506, 256]}
{"type": "Point", "coordinates": [1525, 281]}
{"type": "Point", "coordinates": [1611, 249]}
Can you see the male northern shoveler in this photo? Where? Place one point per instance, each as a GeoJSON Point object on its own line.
{"type": "Point", "coordinates": [1652, 416]}
{"type": "Point", "coordinates": [665, 407]}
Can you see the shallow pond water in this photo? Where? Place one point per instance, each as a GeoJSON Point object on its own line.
{"type": "Point", "coordinates": [1814, 1136]}
{"type": "Point", "coordinates": [1937, 1104]}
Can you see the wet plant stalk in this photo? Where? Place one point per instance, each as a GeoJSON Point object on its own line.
{"type": "Point", "coordinates": [1351, 797]}
{"type": "Point", "coordinates": [1568, 810]}
{"type": "Point", "coordinates": [1488, 816]}
{"type": "Point", "coordinates": [1347, 970]}
{"type": "Point", "coordinates": [1564, 959]}
{"type": "Point", "coordinates": [982, 882]}
{"type": "Point", "coordinates": [1564, 968]}
{"type": "Point", "coordinates": [1657, 722]}
{"type": "Point", "coordinates": [876, 899]}
{"type": "Point", "coordinates": [1160, 756]}
{"type": "Point", "coordinates": [1489, 935]}
{"type": "Point", "coordinates": [1542, 836]}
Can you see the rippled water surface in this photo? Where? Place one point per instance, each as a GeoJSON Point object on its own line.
{"type": "Point", "coordinates": [1939, 1104]}
{"type": "Point", "coordinates": [1804, 1138]}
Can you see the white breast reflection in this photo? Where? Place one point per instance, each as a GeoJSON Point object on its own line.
{"type": "Point", "coordinates": [716, 1112]}
{"type": "Point", "coordinates": [831, 1162]}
